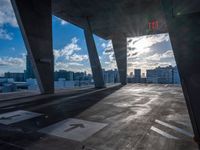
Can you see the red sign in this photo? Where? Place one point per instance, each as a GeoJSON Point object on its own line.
{"type": "Point", "coordinates": [153, 25]}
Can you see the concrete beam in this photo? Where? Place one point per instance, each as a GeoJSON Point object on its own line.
{"type": "Point", "coordinates": [184, 35]}
{"type": "Point", "coordinates": [35, 21]}
{"type": "Point", "coordinates": [120, 49]}
{"type": "Point", "coordinates": [93, 57]}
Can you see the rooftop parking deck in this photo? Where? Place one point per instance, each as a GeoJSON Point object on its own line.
{"type": "Point", "coordinates": [131, 117]}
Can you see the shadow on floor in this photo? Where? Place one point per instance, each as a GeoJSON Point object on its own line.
{"type": "Point", "coordinates": [26, 131]}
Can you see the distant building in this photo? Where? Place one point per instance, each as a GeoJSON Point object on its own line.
{"type": "Point", "coordinates": [137, 75]}
{"type": "Point", "coordinates": [151, 76]}
{"type": "Point", "coordinates": [88, 77]}
{"type": "Point", "coordinates": [176, 78]}
{"type": "Point", "coordinates": [79, 76]}
{"type": "Point", "coordinates": [32, 84]}
{"type": "Point", "coordinates": [18, 77]}
{"type": "Point", "coordinates": [67, 75]}
{"type": "Point", "coordinates": [63, 84]}
{"type": "Point", "coordinates": [111, 76]}
{"type": "Point", "coordinates": [165, 75]}
{"type": "Point", "coordinates": [29, 73]}
{"type": "Point", "coordinates": [7, 85]}
{"type": "Point", "coordinates": [143, 80]}
{"type": "Point", "coordinates": [129, 79]}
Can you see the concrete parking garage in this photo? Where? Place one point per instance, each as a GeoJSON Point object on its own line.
{"type": "Point", "coordinates": [135, 116]}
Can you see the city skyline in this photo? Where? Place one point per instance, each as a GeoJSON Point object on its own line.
{"type": "Point", "coordinates": [66, 79]}
{"type": "Point", "coordinates": [70, 49]}
{"type": "Point", "coordinates": [130, 74]}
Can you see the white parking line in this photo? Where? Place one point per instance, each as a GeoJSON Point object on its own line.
{"type": "Point", "coordinates": [175, 128]}
{"type": "Point", "coordinates": [187, 124]}
{"type": "Point", "coordinates": [165, 134]}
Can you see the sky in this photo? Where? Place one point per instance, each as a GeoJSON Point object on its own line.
{"type": "Point", "coordinates": [70, 51]}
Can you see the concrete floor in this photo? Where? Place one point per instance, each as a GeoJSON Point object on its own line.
{"type": "Point", "coordinates": [136, 117]}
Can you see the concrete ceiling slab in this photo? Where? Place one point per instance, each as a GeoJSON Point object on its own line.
{"type": "Point", "coordinates": [110, 17]}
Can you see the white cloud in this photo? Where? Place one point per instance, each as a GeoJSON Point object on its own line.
{"type": "Point", "coordinates": [68, 49]}
{"type": "Point", "coordinates": [61, 66]}
{"type": "Point", "coordinates": [5, 35]}
{"type": "Point", "coordinates": [12, 61]}
{"type": "Point", "coordinates": [143, 42]}
{"type": "Point", "coordinates": [141, 46]}
{"type": "Point", "coordinates": [56, 54]}
{"type": "Point", "coordinates": [78, 58]}
{"type": "Point", "coordinates": [147, 52]}
{"type": "Point", "coordinates": [63, 22]}
{"type": "Point", "coordinates": [75, 64]}
{"type": "Point", "coordinates": [103, 45]}
{"type": "Point", "coordinates": [108, 48]}
{"type": "Point", "coordinates": [168, 54]}
{"type": "Point", "coordinates": [6, 14]}
{"type": "Point", "coordinates": [106, 55]}
{"type": "Point", "coordinates": [67, 58]}
{"type": "Point", "coordinates": [108, 60]}
{"type": "Point", "coordinates": [72, 66]}
{"type": "Point", "coordinates": [7, 17]}
{"type": "Point", "coordinates": [154, 57]}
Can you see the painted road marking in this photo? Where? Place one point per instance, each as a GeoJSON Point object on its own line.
{"type": "Point", "coordinates": [17, 116]}
{"type": "Point", "coordinates": [165, 134]}
{"type": "Point", "coordinates": [74, 126]}
{"type": "Point", "coordinates": [187, 124]}
{"type": "Point", "coordinates": [73, 129]}
{"type": "Point", "coordinates": [175, 128]}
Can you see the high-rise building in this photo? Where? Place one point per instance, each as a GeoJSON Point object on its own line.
{"type": "Point", "coordinates": [16, 76]}
{"type": "Point", "coordinates": [176, 78]}
{"type": "Point", "coordinates": [151, 76]}
{"type": "Point", "coordinates": [111, 76]}
{"type": "Point", "coordinates": [79, 75]}
{"type": "Point", "coordinates": [67, 75]}
{"type": "Point", "coordinates": [137, 75]}
{"type": "Point", "coordinates": [164, 75]}
{"type": "Point", "coordinates": [29, 73]}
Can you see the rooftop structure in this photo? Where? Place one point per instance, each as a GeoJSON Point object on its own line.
{"type": "Point", "coordinates": [115, 20]}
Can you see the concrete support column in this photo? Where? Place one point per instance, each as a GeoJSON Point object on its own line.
{"type": "Point", "coordinates": [93, 57]}
{"type": "Point", "coordinates": [185, 38]}
{"type": "Point", "coordinates": [120, 50]}
{"type": "Point", "coordinates": [35, 21]}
